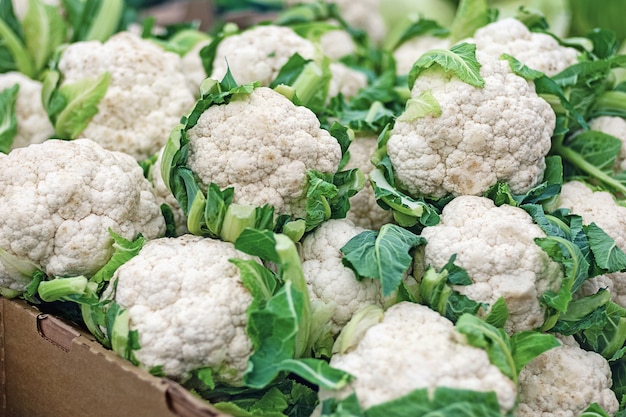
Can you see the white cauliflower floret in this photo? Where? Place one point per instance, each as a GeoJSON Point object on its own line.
{"type": "Point", "coordinates": [164, 196]}
{"type": "Point", "coordinates": [345, 80]}
{"type": "Point", "coordinates": [257, 54]}
{"type": "Point", "coordinates": [263, 146]}
{"type": "Point", "coordinates": [328, 280]}
{"type": "Point", "coordinates": [600, 208]}
{"type": "Point", "coordinates": [58, 199]}
{"type": "Point", "coordinates": [414, 347]}
{"type": "Point", "coordinates": [495, 245]}
{"type": "Point", "coordinates": [408, 52]}
{"type": "Point", "coordinates": [500, 132]}
{"type": "Point", "coordinates": [563, 382]}
{"type": "Point", "coordinates": [337, 43]}
{"type": "Point", "coordinates": [364, 211]}
{"type": "Point", "coordinates": [615, 126]}
{"type": "Point", "coordinates": [146, 96]}
{"type": "Point", "coordinates": [33, 125]}
{"type": "Point", "coordinates": [188, 304]}
{"type": "Point", "coordinates": [538, 51]}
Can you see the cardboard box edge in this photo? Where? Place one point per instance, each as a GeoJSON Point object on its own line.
{"type": "Point", "coordinates": [67, 336]}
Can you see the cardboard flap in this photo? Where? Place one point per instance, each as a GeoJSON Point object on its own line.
{"type": "Point", "coordinates": [50, 368]}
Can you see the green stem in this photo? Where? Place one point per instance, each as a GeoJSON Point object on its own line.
{"type": "Point", "coordinates": [577, 160]}
{"type": "Point", "coordinates": [60, 288]}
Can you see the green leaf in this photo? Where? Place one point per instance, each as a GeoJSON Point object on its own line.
{"type": "Point", "coordinates": [498, 313]}
{"type": "Point", "coordinates": [470, 16]}
{"type": "Point", "coordinates": [407, 210]}
{"type": "Point", "coordinates": [594, 410]}
{"type": "Point", "coordinates": [460, 59]}
{"type": "Point", "coordinates": [607, 254]}
{"type": "Point", "coordinates": [81, 104]}
{"type": "Point", "coordinates": [261, 282]}
{"type": "Point", "coordinates": [8, 122]}
{"type": "Point", "coordinates": [444, 402]}
{"type": "Point", "coordinates": [16, 47]}
{"type": "Point", "coordinates": [44, 31]}
{"type": "Point", "coordinates": [123, 251]}
{"type": "Point", "coordinates": [435, 291]}
{"type": "Point", "coordinates": [384, 255]}
{"type": "Point", "coordinates": [424, 105]}
{"type": "Point", "coordinates": [320, 190]}
{"type": "Point", "coordinates": [441, 402]}
{"type": "Point", "coordinates": [528, 345]}
{"type": "Point", "coordinates": [495, 341]}
{"type": "Point", "coordinates": [261, 243]}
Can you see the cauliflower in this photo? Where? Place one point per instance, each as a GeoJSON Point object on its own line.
{"type": "Point", "coordinates": [328, 280]}
{"type": "Point", "coordinates": [414, 347]}
{"type": "Point", "coordinates": [258, 54]}
{"type": "Point", "coordinates": [337, 44]}
{"type": "Point", "coordinates": [495, 245]}
{"type": "Point", "coordinates": [600, 208]}
{"type": "Point", "coordinates": [58, 200]}
{"type": "Point", "coordinates": [564, 381]}
{"type": "Point", "coordinates": [364, 211]}
{"type": "Point", "coordinates": [146, 96]}
{"type": "Point", "coordinates": [33, 125]}
{"type": "Point", "coordinates": [263, 146]}
{"type": "Point", "coordinates": [500, 132]}
{"type": "Point", "coordinates": [615, 126]}
{"type": "Point", "coordinates": [538, 51]}
{"type": "Point", "coordinates": [188, 304]}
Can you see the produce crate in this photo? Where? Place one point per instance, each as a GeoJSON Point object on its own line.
{"type": "Point", "coordinates": [50, 368]}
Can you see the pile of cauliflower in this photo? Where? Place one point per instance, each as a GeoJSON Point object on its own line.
{"type": "Point", "coordinates": [131, 165]}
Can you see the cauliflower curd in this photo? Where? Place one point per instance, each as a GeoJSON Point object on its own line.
{"type": "Point", "coordinates": [146, 97]}
{"type": "Point", "coordinates": [500, 132]}
{"type": "Point", "coordinates": [263, 146]}
{"type": "Point", "coordinates": [59, 198]}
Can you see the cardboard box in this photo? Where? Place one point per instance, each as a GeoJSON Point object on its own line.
{"type": "Point", "coordinates": [50, 368]}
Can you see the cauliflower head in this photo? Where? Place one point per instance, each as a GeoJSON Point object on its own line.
{"type": "Point", "coordinates": [414, 347]}
{"type": "Point", "coordinates": [33, 125]}
{"type": "Point", "coordinates": [495, 245]}
{"type": "Point", "coordinates": [500, 132]}
{"type": "Point", "coordinates": [188, 304]}
{"type": "Point", "coordinates": [147, 93]}
{"type": "Point", "coordinates": [564, 381]}
{"type": "Point", "coordinates": [538, 51]}
{"type": "Point", "coordinates": [257, 54]}
{"type": "Point", "coordinates": [328, 280]}
{"type": "Point", "coordinates": [262, 145]}
{"type": "Point", "coordinates": [58, 199]}
{"type": "Point", "coordinates": [600, 208]}
{"type": "Point", "coordinates": [364, 211]}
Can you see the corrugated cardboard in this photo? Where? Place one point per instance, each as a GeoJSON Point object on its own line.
{"type": "Point", "coordinates": [49, 368]}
